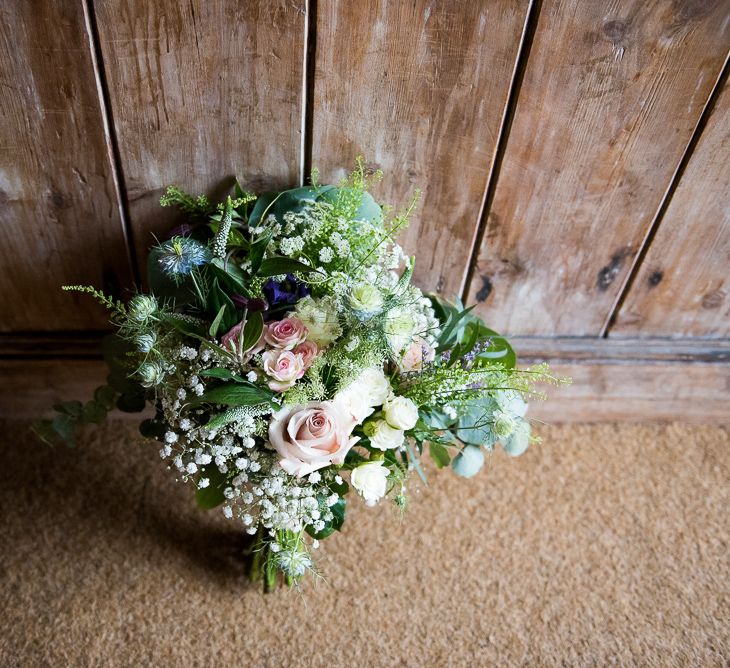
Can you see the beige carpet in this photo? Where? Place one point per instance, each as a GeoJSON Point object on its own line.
{"type": "Point", "coordinates": [607, 545]}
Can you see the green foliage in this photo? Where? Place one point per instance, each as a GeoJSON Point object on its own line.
{"type": "Point", "coordinates": [276, 266]}
{"type": "Point", "coordinates": [335, 524]}
{"type": "Point", "coordinates": [72, 414]}
{"type": "Point", "coordinates": [469, 461]}
{"type": "Point", "coordinates": [241, 394]}
{"type": "Point", "coordinates": [211, 496]}
{"type": "Point", "coordinates": [194, 206]}
{"type": "Point", "coordinates": [439, 454]}
{"type": "Point", "coordinates": [115, 306]}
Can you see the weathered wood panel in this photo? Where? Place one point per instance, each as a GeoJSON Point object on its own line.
{"type": "Point", "coordinates": [59, 210]}
{"type": "Point", "coordinates": [611, 95]}
{"type": "Point", "coordinates": [202, 92]}
{"type": "Point", "coordinates": [683, 285]}
{"type": "Point", "coordinates": [418, 89]}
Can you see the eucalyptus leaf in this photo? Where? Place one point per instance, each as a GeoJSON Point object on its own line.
{"type": "Point", "coordinates": [518, 441]}
{"type": "Point", "coordinates": [475, 422]}
{"type": "Point", "coordinates": [468, 462]}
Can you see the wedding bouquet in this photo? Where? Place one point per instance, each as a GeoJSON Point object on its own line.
{"type": "Point", "coordinates": [290, 361]}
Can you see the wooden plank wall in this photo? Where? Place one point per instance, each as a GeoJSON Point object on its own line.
{"type": "Point", "coordinates": [60, 218]}
{"type": "Point", "coordinates": [573, 157]}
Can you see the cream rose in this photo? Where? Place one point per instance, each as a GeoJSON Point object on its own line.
{"type": "Point", "coordinates": [308, 350]}
{"type": "Point", "coordinates": [371, 481]}
{"type": "Point", "coordinates": [383, 436]}
{"type": "Point", "coordinates": [311, 437]}
{"type": "Point", "coordinates": [371, 388]}
{"type": "Point", "coordinates": [401, 413]}
{"type": "Point", "coordinates": [283, 367]}
{"type": "Point", "coordinates": [286, 333]}
{"type": "Point", "coordinates": [416, 355]}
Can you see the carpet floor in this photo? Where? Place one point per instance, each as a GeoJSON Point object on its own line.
{"type": "Point", "coordinates": [605, 545]}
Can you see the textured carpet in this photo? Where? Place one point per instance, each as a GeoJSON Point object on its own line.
{"type": "Point", "coordinates": [607, 545]}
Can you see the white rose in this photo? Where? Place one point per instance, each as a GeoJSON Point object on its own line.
{"type": "Point", "coordinates": [371, 388]}
{"type": "Point", "coordinates": [400, 326]}
{"type": "Point", "coordinates": [366, 299]}
{"type": "Point", "coordinates": [371, 481]}
{"type": "Point", "coordinates": [355, 402]}
{"type": "Point", "coordinates": [401, 413]}
{"type": "Point", "coordinates": [383, 436]}
{"type": "Point", "coordinates": [375, 384]}
{"type": "Point", "coordinates": [320, 318]}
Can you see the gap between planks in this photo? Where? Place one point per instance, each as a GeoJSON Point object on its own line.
{"type": "Point", "coordinates": [666, 201]}
{"type": "Point", "coordinates": [500, 147]}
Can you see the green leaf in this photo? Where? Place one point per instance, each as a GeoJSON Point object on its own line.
{"type": "Point", "coordinates": [211, 496]}
{"type": "Point", "coordinates": [222, 419]}
{"type": "Point", "coordinates": [275, 266]}
{"type": "Point", "coordinates": [223, 374]}
{"type": "Point", "coordinates": [335, 524]}
{"type": "Point", "coordinates": [256, 254]}
{"type": "Point", "coordinates": [73, 408]}
{"type": "Point", "coordinates": [213, 331]}
{"type": "Point", "coordinates": [132, 401]}
{"type": "Point", "coordinates": [230, 275]}
{"type": "Point", "coordinates": [468, 462]}
{"type": "Point", "coordinates": [439, 454]}
{"type": "Point", "coordinates": [241, 394]}
{"type": "Point", "coordinates": [475, 423]}
{"type": "Point", "coordinates": [93, 412]}
{"type": "Point", "coordinates": [64, 425]}
{"type": "Point", "coordinates": [43, 429]}
{"type": "Point", "coordinates": [252, 330]}
{"type": "Point", "coordinates": [499, 351]}
{"type": "Point", "coordinates": [105, 396]}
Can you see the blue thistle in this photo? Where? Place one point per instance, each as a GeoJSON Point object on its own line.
{"type": "Point", "coordinates": [180, 255]}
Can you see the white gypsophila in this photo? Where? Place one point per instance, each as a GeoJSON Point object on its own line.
{"type": "Point", "coordinates": [384, 437]}
{"type": "Point", "coordinates": [370, 480]}
{"type": "Point", "coordinates": [401, 413]}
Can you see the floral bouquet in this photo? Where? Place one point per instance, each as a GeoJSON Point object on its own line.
{"type": "Point", "coordinates": [290, 360]}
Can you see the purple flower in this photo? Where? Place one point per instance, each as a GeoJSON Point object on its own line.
{"type": "Point", "coordinates": [286, 292]}
{"type": "Point", "coordinates": [253, 305]}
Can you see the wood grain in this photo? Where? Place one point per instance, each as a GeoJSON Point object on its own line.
{"type": "Point", "coordinates": [683, 285]}
{"type": "Point", "coordinates": [418, 89]}
{"type": "Point", "coordinates": [611, 95]}
{"type": "Point", "coordinates": [202, 92]}
{"type": "Point", "coordinates": [59, 210]}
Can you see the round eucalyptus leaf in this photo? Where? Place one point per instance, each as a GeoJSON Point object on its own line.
{"type": "Point", "coordinates": [518, 440]}
{"type": "Point", "coordinates": [468, 462]}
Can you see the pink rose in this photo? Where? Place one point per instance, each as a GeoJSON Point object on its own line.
{"type": "Point", "coordinates": [418, 353]}
{"type": "Point", "coordinates": [285, 333]}
{"type": "Point", "coordinates": [230, 341]}
{"type": "Point", "coordinates": [308, 350]}
{"type": "Point", "coordinates": [311, 437]}
{"type": "Point", "coordinates": [284, 367]}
